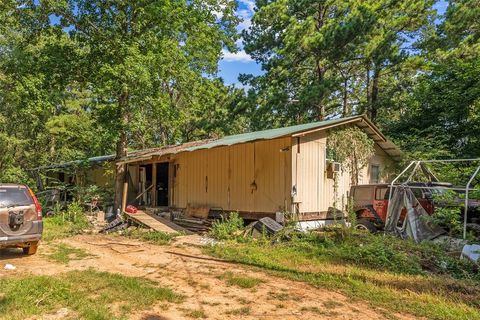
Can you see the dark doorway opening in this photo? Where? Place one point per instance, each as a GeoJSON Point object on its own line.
{"type": "Point", "coordinates": [145, 180]}
{"type": "Point", "coordinates": [162, 184]}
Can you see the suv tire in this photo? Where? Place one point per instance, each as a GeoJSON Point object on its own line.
{"type": "Point", "coordinates": [32, 249]}
{"type": "Point", "coordinates": [366, 225]}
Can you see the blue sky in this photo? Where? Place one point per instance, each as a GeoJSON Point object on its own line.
{"type": "Point", "coordinates": [233, 64]}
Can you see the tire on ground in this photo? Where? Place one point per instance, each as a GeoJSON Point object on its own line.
{"type": "Point", "coordinates": [364, 224]}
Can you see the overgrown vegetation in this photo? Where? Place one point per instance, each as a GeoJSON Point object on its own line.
{"type": "Point", "coordinates": [65, 224]}
{"type": "Point", "coordinates": [87, 295]}
{"type": "Point", "coordinates": [401, 276]}
{"type": "Point", "coordinates": [230, 227]}
{"type": "Point", "coordinates": [352, 147]}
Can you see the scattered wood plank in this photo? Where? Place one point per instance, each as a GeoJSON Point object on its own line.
{"type": "Point", "coordinates": [155, 222]}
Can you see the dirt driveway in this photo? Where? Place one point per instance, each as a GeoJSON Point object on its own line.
{"type": "Point", "coordinates": [183, 268]}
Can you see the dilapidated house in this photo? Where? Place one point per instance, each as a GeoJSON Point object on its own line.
{"type": "Point", "coordinates": [257, 174]}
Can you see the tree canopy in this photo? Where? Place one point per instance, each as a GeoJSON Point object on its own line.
{"type": "Point", "coordinates": [81, 78]}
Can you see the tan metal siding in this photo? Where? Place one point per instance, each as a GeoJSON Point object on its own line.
{"type": "Point", "coordinates": [270, 177]}
{"type": "Point", "coordinates": [315, 192]}
{"type": "Point", "coordinates": [222, 177]}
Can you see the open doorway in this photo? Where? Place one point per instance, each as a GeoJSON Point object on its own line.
{"type": "Point", "coordinates": [162, 184]}
{"type": "Point", "coordinates": [145, 188]}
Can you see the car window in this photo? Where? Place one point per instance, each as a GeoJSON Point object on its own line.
{"type": "Point", "coordinates": [381, 193]}
{"type": "Point", "coordinates": [14, 197]}
{"type": "Point", "coordinates": [362, 194]}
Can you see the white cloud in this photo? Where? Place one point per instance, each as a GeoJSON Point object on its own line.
{"type": "Point", "coordinates": [246, 12]}
{"type": "Point", "coordinates": [240, 56]}
{"type": "Point", "coordinates": [250, 4]}
{"type": "Point", "coordinates": [246, 19]}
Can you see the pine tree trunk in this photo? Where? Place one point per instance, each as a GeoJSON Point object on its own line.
{"type": "Point", "coordinates": [320, 106]}
{"type": "Point", "coordinates": [374, 96]}
{"type": "Point", "coordinates": [346, 109]}
{"type": "Point", "coordinates": [122, 145]}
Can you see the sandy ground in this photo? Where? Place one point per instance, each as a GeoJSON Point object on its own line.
{"type": "Point", "coordinates": [197, 277]}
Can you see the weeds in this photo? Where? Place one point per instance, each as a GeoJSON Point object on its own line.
{"type": "Point", "coordinates": [64, 253]}
{"type": "Point", "coordinates": [89, 294]}
{"type": "Point", "coordinates": [228, 228]}
{"type": "Point", "coordinates": [195, 314]}
{"type": "Point", "coordinates": [57, 227]}
{"type": "Point", "coordinates": [397, 275]}
{"type": "Point", "coordinates": [240, 281]}
{"type": "Point", "coordinates": [243, 311]}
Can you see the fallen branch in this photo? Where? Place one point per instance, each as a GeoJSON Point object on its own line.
{"type": "Point", "coordinates": [123, 252]}
{"type": "Point", "coordinates": [200, 258]}
{"type": "Point", "coordinates": [117, 243]}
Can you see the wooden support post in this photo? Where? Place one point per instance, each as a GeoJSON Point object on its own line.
{"type": "Point", "coordinates": [124, 196]}
{"type": "Point", "coordinates": [154, 182]}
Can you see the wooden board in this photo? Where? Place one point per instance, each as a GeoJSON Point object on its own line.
{"type": "Point", "coordinates": [155, 222]}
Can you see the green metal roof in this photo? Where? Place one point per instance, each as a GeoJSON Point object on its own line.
{"type": "Point", "coordinates": [269, 134]}
{"type": "Point", "coordinates": [74, 163]}
{"type": "Point", "coordinates": [139, 155]}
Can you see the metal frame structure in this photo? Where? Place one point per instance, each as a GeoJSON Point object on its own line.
{"type": "Point", "coordinates": [418, 163]}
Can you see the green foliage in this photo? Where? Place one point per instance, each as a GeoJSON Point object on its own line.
{"type": "Point", "coordinates": [324, 58]}
{"type": "Point", "coordinates": [448, 212]}
{"type": "Point", "coordinates": [353, 148]}
{"type": "Point", "coordinates": [228, 228]}
{"type": "Point", "coordinates": [399, 276]}
{"type": "Point", "coordinates": [88, 293]}
{"type": "Point", "coordinates": [90, 192]}
{"type": "Point", "coordinates": [105, 72]}
{"type": "Point", "coordinates": [59, 226]}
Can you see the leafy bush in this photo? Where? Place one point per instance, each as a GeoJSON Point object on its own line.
{"type": "Point", "coordinates": [385, 252]}
{"type": "Point", "coordinates": [447, 212]}
{"type": "Point", "coordinates": [66, 224]}
{"type": "Point", "coordinates": [229, 228]}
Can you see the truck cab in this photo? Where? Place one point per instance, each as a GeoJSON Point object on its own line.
{"type": "Point", "coordinates": [370, 203]}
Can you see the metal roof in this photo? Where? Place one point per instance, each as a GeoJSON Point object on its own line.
{"type": "Point", "coordinates": [298, 130]}
{"type": "Point", "coordinates": [268, 134]}
{"type": "Point", "coordinates": [86, 162]}
{"type": "Point", "coordinates": [360, 121]}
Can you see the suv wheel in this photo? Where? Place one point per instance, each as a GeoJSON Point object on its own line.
{"type": "Point", "coordinates": [365, 225]}
{"type": "Point", "coordinates": [32, 249]}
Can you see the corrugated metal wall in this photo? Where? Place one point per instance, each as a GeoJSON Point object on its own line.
{"type": "Point", "coordinates": [253, 177]}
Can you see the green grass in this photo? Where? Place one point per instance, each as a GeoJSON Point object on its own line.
{"type": "Point", "coordinates": [240, 281]}
{"type": "Point", "coordinates": [155, 237]}
{"type": "Point", "coordinates": [57, 227]}
{"type": "Point", "coordinates": [396, 275]}
{"type": "Point", "coordinates": [88, 294]}
{"type": "Point", "coordinates": [63, 253]}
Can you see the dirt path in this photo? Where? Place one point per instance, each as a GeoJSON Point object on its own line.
{"type": "Point", "coordinates": [198, 279]}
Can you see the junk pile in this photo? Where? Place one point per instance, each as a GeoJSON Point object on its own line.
{"type": "Point", "coordinates": [196, 220]}
{"type": "Point", "coordinates": [404, 205]}
{"type": "Point", "coordinates": [415, 225]}
{"type": "Point", "coordinates": [263, 226]}
{"type": "Point", "coordinates": [117, 224]}
{"type": "Point", "coordinates": [418, 227]}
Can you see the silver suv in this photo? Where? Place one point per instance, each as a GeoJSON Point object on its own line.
{"type": "Point", "coordinates": [20, 218]}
